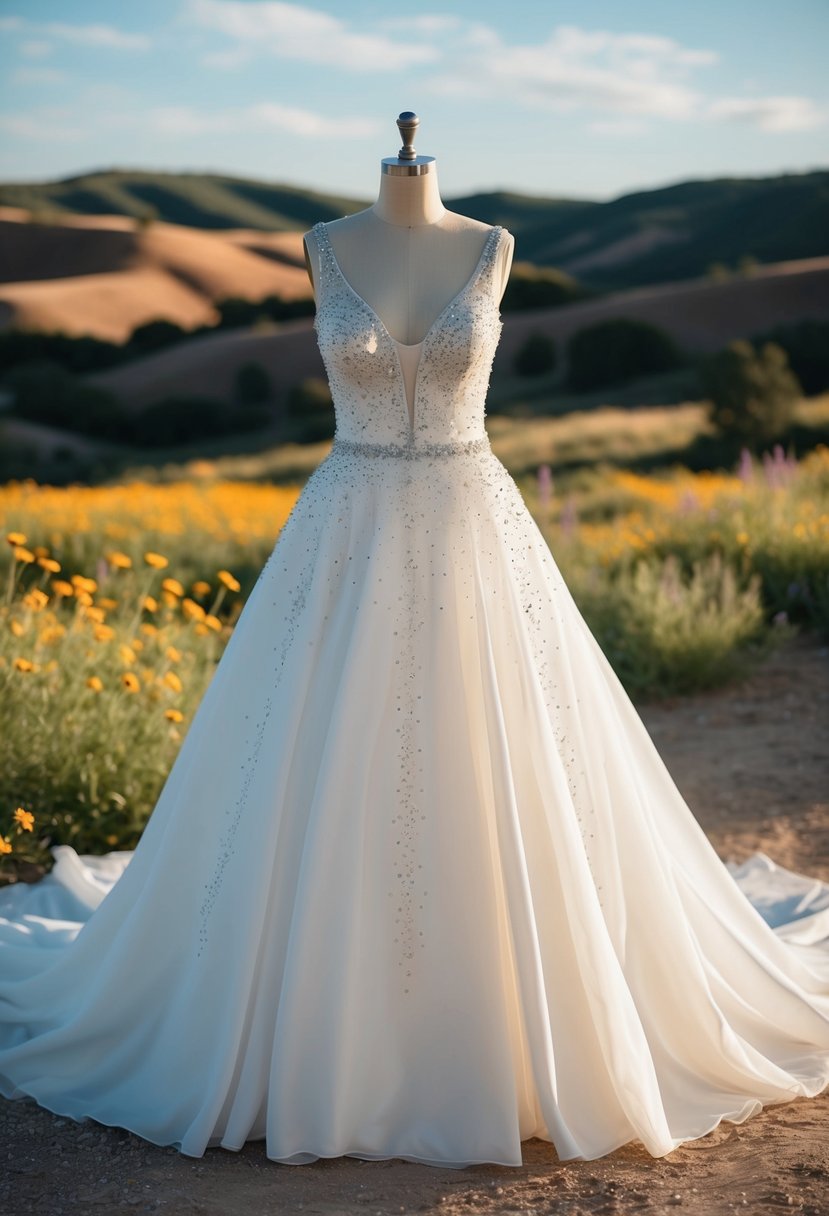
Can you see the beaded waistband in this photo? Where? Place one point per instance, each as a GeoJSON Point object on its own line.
{"type": "Point", "coordinates": [410, 451]}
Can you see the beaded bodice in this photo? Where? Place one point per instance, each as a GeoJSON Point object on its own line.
{"type": "Point", "coordinates": [365, 370]}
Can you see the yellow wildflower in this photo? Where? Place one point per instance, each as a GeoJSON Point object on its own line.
{"type": "Point", "coordinates": [61, 587]}
{"type": "Point", "coordinates": [23, 555]}
{"type": "Point", "coordinates": [16, 538]}
{"type": "Point", "coordinates": [229, 581]}
{"type": "Point", "coordinates": [149, 627]}
{"type": "Point", "coordinates": [157, 560]}
{"type": "Point", "coordinates": [17, 628]}
{"type": "Point", "coordinates": [172, 680]}
{"type": "Point", "coordinates": [35, 599]}
{"type": "Point", "coordinates": [192, 610]}
{"type": "Point", "coordinates": [95, 683]}
{"type": "Point", "coordinates": [200, 587]}
{"type": "Point", "coordinates": [94, 613]}
{"type": "Point", "coordinates": [49, 563]}
{"type": "Point", "coordinates": [103, 633]}
{"type": "Point", "coordinates": [121, 561]}
{"type": "Point", "coordinates": [82, 583]}
{"type": "Point", "coordinates": [173, 654]}
{"type": "Point", "coordinates": [127, 653]}
{"type": "Point", "coordinates": [150, 603]}
{"type": "Point", "coordinates": [130, 681]}
{"type": "Point", "coordinates": [5, 844]}
{"type": "Point", "coordinates": [23, 664]}
{"type": "Point", "coordinates": [175, 715]}
{"type": "Point", "coordinates": [25, 818]}
{"type": "Point", "coordinates": [173, 585]}
{"type": "Point", "coordinates": [213, 622]}
{"type": "Point", "coordinates": [106, 601]}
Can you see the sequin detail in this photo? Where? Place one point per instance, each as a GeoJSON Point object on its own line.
{"type": "Point", "coordinates": [295, 597]}
{"type": "Point", "coordinates": [411, 451]}
{"type": "Point", "coordinates": [363, 365]}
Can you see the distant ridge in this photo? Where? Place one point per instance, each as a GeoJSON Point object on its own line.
{"type": "Point", "coordinates": [648, 236]}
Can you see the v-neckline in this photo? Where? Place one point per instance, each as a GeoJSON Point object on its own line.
{"type": "Point", "coordinates": [411, 417]}
{"type": "Point", "coordinates": [440, 315]}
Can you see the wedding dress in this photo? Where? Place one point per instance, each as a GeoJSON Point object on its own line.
{"type": "Point", "coordinates": [418, 884]}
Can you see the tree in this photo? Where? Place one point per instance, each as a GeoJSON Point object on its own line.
{"type": "Point", "coordinates": [535, 355]}
{"type": "Point", "coordinates": [253, 384]}
{"type": "Point", "coordinates": [618, 349]}
{"type": "Point", "coordinates": [752, 393]}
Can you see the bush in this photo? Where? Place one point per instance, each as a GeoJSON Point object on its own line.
{"type": "Point", "coordinates": [253, 384]}
{"type": "Point", "coordinates": [536, 355]}
{"type": "Point", "coordinates": [807, 346]}
{"type": "Point", "coordinates": [310, 402]}
{"type": "Point", "coordinates": [667, 631]}
{"type": "Point", "coordinates": [45, 392]}
{"type": "Point", "coordinates": [616, 350]}
{"type": "Point", "coordinates": [532, 286]}
{"type": "Point", "coordinates": [752, 393]}
{"type": "Point", "coordinates": [155, 335]}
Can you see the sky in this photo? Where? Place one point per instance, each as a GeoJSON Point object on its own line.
{"type": "Point", "coordinates": [589, 99]}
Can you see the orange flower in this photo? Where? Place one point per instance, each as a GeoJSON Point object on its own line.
{"type": "Point", "coordinates": [23, 664]}
{"type": "Point", "coordinates": [25, 818]}
{"type": "Point", "coordinates": [229, 581]}
{"type": "Point", "coordinates": [16, 538]}
{"type": "Point", "coordinates": [5, 844]}
{"type": "Point", "coordinates": [49, 563]}
{"type": "Point", "coordinates": [130, 681]}
{"type": "Point", "coordinates": [172, 681]}
{"type": "Point", "coordinates": [121, 561]}
{"type": "Point", "coordinates": [173, 585]}
{"type": "Point", "coordinates": [157, 560]}
{"type": "Point", "coordinates": [23, 555]}
{"type": "Point", "coordinates": [175, 715]}
{"type": "Point", "coordinates": [95, 683]}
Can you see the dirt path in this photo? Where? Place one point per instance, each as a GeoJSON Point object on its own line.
{"type": "Point", "coordinates": [753, 763]}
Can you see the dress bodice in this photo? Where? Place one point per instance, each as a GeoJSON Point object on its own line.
{"type": "Point", "coordinates": [369, 371]}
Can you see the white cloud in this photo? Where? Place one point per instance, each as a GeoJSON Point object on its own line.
{"type": "Point", "coordinates": [769, 113]}
{"type": "Point", "coordinates": [575, 69]}
{"type": "Point", "coordinates": [292, 31]}
{"type": "Point", "coordinates": [106, 36]}
{"type": "Point", "coordinates": [178, 121]}
{"type": "Point", "coordinates": [36, 48]}
{"type": "Point", "coordinates": [37, 76]}
{"type": "Point", "coordinates": [45, 125]}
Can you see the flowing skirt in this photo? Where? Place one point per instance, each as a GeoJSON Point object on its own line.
{"type": "Point", "coordinates": [418, 884]}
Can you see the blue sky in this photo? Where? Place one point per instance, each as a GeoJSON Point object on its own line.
{"type": "Point", "coordinates": [587, 100]}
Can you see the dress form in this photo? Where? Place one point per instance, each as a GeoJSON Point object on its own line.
{"type": "Point", "coordinates": [431, 251]}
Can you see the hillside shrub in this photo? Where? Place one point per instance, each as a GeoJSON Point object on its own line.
{"type": "Point", "coordinates": [752, 393]}
{"type": "Point", "coordinates": [535, 355]}
{"type": "Point", "coordinates": [182, 419]}
{"type": "Point", "coordinates": [155, 335]}
{"type": "Point", "coordinates": [616, 350]}
{"type": "Point", "coordinates": [806, 344]}
{"type": "Point", "coordinates": [310, 402]}
{"type": "Point", "coordinates": [532, 286]}
{"type": "Point", "coordinates": [45, 392]}
{"type": "Point", "coordinates": [252, 384]}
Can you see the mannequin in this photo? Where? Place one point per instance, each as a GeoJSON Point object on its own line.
{"type": "Point", "coordinates": [407, 256]}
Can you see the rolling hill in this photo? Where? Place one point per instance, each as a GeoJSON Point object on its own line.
{"type": "Point", "coordinates": [648, 236]}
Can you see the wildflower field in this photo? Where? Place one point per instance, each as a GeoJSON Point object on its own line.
{"type": "Point", "coordinates": [117, 603]}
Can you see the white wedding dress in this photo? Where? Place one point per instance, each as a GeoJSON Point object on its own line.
{"type": "Point", "coordinates": [418, 884]}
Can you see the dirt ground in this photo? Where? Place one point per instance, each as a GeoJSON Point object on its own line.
{"type": "Point", "coordinates": [753, 763]}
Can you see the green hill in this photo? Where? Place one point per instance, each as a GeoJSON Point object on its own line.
{"type": "Point", "coordinates": [650, 236]}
